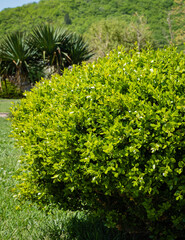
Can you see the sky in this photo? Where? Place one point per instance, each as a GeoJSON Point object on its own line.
{"type": "Point", "coordinates": [14, 3]}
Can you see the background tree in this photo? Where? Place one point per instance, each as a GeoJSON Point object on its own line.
{"type": "Point", "coordinates": [177, 21]}
{"type": "Point", "coordinates": [140, 31]}
{"type": "Point", "coordinates": [67, 19]}
{"type": "Point", "coordinates": [107, 34]}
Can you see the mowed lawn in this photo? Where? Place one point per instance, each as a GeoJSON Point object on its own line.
{"type": "Point", "coordinates": [5, 104]}
{"type": "Point", "coordinates": [26, 221]}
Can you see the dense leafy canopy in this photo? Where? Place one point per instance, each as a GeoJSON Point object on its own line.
{"type": "Point", "coordinates": [109, 136]}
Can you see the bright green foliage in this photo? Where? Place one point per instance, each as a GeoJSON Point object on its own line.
{"type": "Point", "coordinates": [28, 221]}
{"type": "Point", "coordinates": [109, 137]}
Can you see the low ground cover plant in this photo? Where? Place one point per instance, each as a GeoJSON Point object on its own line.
{"type": "Point", "coordinates": [109, 137]}
{"type": "Point", "coordinates": [8, 90]}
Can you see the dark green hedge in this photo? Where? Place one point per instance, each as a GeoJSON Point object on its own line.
{"type": "Point", "coordinates": [109, 137]}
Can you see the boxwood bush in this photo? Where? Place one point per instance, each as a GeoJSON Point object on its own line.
{"type": "Point", "coordinates": [109, 137]}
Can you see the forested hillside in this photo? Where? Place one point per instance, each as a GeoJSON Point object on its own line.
{"type": "Point", "coordinates": [164, 17]}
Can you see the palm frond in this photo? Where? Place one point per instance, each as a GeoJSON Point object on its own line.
{"type": "Point", "coordinates": [78, 49]}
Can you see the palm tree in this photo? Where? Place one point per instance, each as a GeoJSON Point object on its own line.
{"type": "Point", "coordinates": [18, 59]}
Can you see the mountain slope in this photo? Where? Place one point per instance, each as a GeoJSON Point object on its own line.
{"type": "Point", "coordinates": [78, 15]}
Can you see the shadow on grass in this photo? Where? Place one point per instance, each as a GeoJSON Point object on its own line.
{"type": "Point", "coordinates": [82, 227]}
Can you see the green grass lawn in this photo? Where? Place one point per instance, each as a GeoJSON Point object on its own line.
{"type": "Point", "coordinates": [5, 104]}
{"type": "Point", "coordinates": [28, 222]}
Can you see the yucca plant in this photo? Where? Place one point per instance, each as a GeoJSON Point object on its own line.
{"type": "Point", "coordinates": [26, 57]}
{"type": "Point", "coordinates": [58, 47]}
{"type": "Point", "coordinates": [78, 49]}
{"type": "Point", "coordinates": [50, 44]}
{"type": "Point", "coordinates": [18, 59]}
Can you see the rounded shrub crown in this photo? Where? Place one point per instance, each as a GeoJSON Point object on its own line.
{"type": "Point", "coordinates": [109, 137]}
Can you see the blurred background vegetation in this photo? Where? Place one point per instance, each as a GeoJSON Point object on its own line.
{"type": "Point", "coordinates": [164, 18]}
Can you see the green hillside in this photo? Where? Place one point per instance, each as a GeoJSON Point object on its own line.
{"type": "Point", "coordinates": [78, 15]}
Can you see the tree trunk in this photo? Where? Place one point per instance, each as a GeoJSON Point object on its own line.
{"type": "Point", "coordinates": [1, 89]}
{"type": "Point", "coordinates": [5, 84]}
{"type": "Point", "coordinates": [18, 76]}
